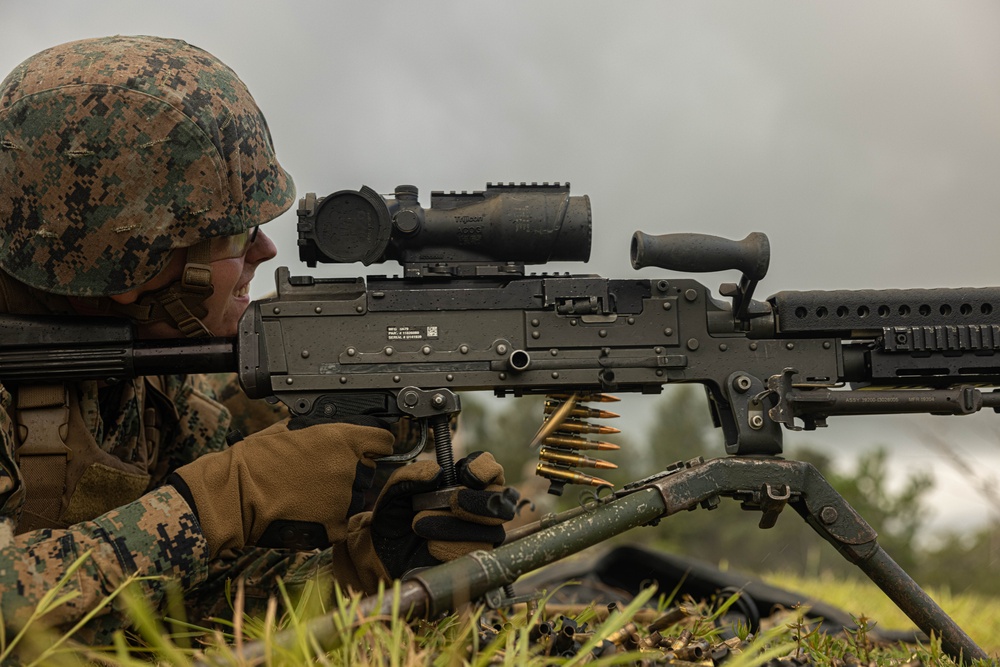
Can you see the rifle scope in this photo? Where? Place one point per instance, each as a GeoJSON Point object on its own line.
{"type": "Point", "coordinates": [491, 232]}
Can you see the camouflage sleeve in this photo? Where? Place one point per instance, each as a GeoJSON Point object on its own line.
{"type": "Point", "coordinates": [157, 535]}
{"type": "Point", "coordinates": [352, 564]}
{"type": "Point", "coordinates": [249, 415]}
{"type": "Point", "coordinates": [208, 407]}
{"type": "Point", "coordinates": [202, 422]}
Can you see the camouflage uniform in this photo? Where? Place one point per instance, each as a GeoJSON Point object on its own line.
{"type": "Point", "coordinates": [156, 534]}
{"type": "Point", "coordinates": [168, 152]}
{"type": "Point", "coordinates": [118, 155]}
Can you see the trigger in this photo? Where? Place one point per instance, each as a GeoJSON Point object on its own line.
{"type": "Point", "coordinates": [411, 437]}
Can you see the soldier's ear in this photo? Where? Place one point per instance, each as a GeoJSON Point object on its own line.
{"type": "Point", "coordinates": [170, 273]}
{"type": "Point", "coordinates": [127, 297]}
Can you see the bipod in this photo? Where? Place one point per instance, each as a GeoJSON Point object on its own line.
{"type": "Point", "coordinates": [768, 484]}
{"type": "Point", "coordinates": [764, 483]}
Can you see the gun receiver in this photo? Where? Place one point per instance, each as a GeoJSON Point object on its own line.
{"type": "Point", "coordinates": [326, 346]}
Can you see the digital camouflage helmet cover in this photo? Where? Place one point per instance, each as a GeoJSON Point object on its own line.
{"type": "Point", "coordinates": [116, 151]}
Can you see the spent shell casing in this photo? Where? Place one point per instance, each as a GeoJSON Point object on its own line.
{"type": "Point", "coordinates": [569, 476]}
{"type": "Point", "coordinates": [618, 637]}
{"type": "Point", "coordinates": [682, 640]}
{"type": "Point", "coordinates": [582, 413]}
{"type": "Point", "coordinates": [575, 442]}
{"type": "Point", "coordinates": [571, 459]}
{"type": "Point", "coordinates": [693, 652]}
{"type": "Point", "coordinates": [574, 426]}
{"type": "Point", "coordinates": [670, 617]}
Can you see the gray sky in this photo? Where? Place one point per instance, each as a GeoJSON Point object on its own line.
{"type": "Point", "coordinates": [863, 138]}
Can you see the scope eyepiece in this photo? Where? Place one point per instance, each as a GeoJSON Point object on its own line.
{"type": "Point", "coordinates": [490, 232]}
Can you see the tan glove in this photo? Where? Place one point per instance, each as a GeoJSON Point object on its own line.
{"type": "Point", "coordinates": [404, 538]}
{"type": "Point", "coordinates": [293, 485]}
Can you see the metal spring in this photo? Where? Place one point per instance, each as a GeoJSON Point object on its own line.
{"type": "Point", "coordinates": [443, 451]}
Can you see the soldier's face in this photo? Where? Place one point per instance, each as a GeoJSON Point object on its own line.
{"type": "Point", "coordinates": [231, 278]}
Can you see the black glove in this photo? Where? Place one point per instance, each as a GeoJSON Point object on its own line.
{"type": "Point", "coordinates": [405, 538]}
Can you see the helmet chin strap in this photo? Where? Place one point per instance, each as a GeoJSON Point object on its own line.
{"type": "Point", "coordinates": [182, 303]}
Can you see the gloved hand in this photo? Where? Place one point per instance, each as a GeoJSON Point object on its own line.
{"type": "Point", "coordinates": [292, 485]}
{"type": "Point", "coordinates": [404, 538]}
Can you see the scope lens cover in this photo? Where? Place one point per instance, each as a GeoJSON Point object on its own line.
{"type": "Point", "coordinates": [353, 226]}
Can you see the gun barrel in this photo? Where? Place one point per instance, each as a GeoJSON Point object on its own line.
{"type": "Point", "coordinates": [966, 311]}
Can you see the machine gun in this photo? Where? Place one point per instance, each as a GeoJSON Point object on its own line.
{"type": "Point", "coordinates": [466, 316]}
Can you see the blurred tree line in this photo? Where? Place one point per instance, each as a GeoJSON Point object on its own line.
{"type": "Point", "coordinates": [728, 535]}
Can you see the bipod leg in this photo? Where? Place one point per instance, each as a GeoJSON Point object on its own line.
{"type": "Point", "coordinates": [768, 484]}
{"type": "Point", "coordinates": [822, 508]}
{"type": "Point", "coordinates": [763, 483]}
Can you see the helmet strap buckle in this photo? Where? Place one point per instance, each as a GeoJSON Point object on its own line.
{"type": "Point", "coordinates": [197, 276]}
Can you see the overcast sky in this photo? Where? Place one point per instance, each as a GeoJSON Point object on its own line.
{"type": "Point", "coordinates": [863, 138]}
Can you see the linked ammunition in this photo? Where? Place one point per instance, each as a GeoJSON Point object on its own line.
{"type": "Point", "coordinates": [581, 413]}
{"type": "Point", "coordinates": [568, 476]}
{"type": "Point", "coordinates": [566, 417]}
{"type": "Point", "coordinates": [570, 459]}
{"type": "Point", "coordinates": [554, 422]}
{"type": "Point", "coordinates": [575, 442]}
{"type": "Point", "coordinates": [574, 426]}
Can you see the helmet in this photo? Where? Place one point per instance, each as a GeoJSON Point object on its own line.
{"type": "Point", "coordinates": [116, 151]}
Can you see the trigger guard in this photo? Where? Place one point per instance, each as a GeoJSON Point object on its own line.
{"type": "Point", "coordinates": [412, 453]}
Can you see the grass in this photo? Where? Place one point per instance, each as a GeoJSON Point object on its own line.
{"type": "Point", "coordinates": [978, 615]}
{"type": "Point", "coordinates": [650, 630]}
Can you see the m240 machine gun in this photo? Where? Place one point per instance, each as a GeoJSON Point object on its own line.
{"type": "Point", "coordinates": [466, 316]}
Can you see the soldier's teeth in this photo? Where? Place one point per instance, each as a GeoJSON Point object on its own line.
{"type": "Point", "coordinates": [243, 291]}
